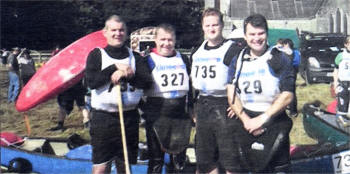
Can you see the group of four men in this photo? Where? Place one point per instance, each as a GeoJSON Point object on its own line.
{"type": "Point", "coordinates": [219, 83]}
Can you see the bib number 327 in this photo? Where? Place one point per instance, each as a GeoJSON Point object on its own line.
{"type": "Point", "coordinates": [341, 162]}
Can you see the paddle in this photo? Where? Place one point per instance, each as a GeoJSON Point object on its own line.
{"type": "Point", "coordinates": [26, 121]}
{"type": "Point", "coordinates": [121, 118]}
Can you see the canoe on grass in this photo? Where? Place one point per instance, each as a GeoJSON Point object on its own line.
{"type": "Point", "coordinates": [323, 126]}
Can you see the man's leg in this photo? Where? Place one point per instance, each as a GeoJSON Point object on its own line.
{"type": "Point", "coordinates": [10, 89]}
{"type": "Point", "coordinates": [101, 168]}
{"type": "Point", "coordinates": [156, 156]}
{"type": "Point", "coordinates": [65, 104]}
{"type": "Point", "coordinates": [15, 87]}
{"type": "Point", "coordinates": [61, 117]}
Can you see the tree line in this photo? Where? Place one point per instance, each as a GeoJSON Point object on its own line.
{"type": "Point", "coordinates": [42, 25]}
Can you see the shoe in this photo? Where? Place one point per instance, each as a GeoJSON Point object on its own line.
{"type": "Point", "coordinates": [57, 128]}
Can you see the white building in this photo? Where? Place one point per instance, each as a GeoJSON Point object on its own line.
{"type": "Point", "coordinates": [320, 16]}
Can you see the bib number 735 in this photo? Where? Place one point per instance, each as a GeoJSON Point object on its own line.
{"type": "Point", "coordinates": [205, 71]}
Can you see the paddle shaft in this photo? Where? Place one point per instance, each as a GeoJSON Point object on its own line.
{"type": "Point", "coordinates": [26, 121]}
{"type": "Point", "coordinates": [122, 127]}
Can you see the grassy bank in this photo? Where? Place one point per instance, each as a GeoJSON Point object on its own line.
{"type": "Point", "coordinates": [44, 116]}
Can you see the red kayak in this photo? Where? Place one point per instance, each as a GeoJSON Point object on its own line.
{"type": "Point", "coordinates": [60, 73]}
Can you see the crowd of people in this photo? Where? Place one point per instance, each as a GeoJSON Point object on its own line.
{"type": "Point", "coordinates": [235, 96]}
{"type": "Point", "coordinates": [21, 67]}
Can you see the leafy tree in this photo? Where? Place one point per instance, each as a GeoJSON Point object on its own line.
{"type": "Point", "coordinates": [43, 24]}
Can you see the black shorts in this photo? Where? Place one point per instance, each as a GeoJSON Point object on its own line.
{"type": "Point", "coordinates": [268, 152]}
{"type": "Point", "coordinates": [66, 101]}
{"type": "Point", "coordinates": [214, 139]}
{"type": "Point", "coordinates": [106, 139]}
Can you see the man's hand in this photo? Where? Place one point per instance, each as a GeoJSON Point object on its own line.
{"type": "Point", "coordinates": [126, 68]}
{"type": "Point", "coordinates": [117, 76]}
{"type": "Point", "coordinates": [254, 124]}
{"type": "Point", "coordinates": [230, 113]}
{"type": "Point", "coordinates": [259, 131]}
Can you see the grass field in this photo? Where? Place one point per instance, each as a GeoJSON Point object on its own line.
{"type": "Point", "coordinates": [44, 116]}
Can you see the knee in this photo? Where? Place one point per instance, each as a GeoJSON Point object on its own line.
{"type": "Point", "coordinates": [206, 168]}
{"type": "Point", "coordinates": [101, 168]}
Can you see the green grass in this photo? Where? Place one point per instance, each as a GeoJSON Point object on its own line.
{"type": "Point", "coordinates": [44, 116]}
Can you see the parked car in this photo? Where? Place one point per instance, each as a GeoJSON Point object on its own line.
{"type": "Point", "coordinates": [318, 52]}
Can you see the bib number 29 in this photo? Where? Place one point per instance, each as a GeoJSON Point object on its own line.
{"type": "Point", "coordinates": [250, 87]}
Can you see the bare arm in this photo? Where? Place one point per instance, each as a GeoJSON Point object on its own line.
{"type": "Point", "coordinates": [254, 124]}
{"type": "Point", "coordinates": [236, 108]}
{"type": "Point", "coordinates": [277, 107]}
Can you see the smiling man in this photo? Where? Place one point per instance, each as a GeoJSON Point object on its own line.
{"type": "Point", "coordinates": [114, 64]}
{"type": "Point", "coordinates": [168, 125]}
{"type": "Point", "coordinates": [215, 144]}
{"type": "Point", "coordinates": [261, 86]}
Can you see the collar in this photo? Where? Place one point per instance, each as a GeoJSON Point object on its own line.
{"type": "Point", "coordinates": [154, 50]}
{"type": "Point", "coordinates": [248, 57]}
{"type": "Point", "coordinates": [214, 47]}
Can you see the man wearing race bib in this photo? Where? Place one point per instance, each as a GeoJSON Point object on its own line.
{"type": "Point", "coordinates": [214, 142]}
{"type": "Point", "coordinates": [262, 85]}
{"type": "Point", "coordinates": [114, 64]}
{"type": "Point", "coordinates": [168, 126]}
{"type": "Point", "coordinates": [342, 81]}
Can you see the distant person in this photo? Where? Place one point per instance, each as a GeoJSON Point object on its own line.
{"type": "Point", "coordinates": [66, 101]}
{"type": "Point", "coordinates": [294, 55]}
{"type": "Point", "coordinates": [262, 85]}
{"type": "Point", "coordinates": [26, 66]}
{"type": "Point", "coordinates": [279, 44]}
{"type": "Point", "coordinates": [56, 50]}
{"type": "Point", "coordinates": [13, 68]}
{"type": "Point", "coordinates": [4, 54]}
{"type": "Point", "coordinates": [168, 125]}
{"type": "Point", "coordinates": [115, 64]}
{"type": "Point", "coordinates": [342, 82]}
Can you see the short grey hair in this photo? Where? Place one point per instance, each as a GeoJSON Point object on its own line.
{"type": "Point", "coordinates": [115, 18]}
{"type": "Point", "coordinates": [166, 27]}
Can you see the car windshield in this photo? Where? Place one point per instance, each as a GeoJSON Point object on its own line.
{"type": "Point", "coordinates": [329, 44]}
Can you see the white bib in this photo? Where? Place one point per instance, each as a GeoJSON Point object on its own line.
{"type": "Point", "coordinates": [105, 99]}
{"type": "Point", "coordinates": [170, 77]}
{"type": "Point", "coordinates": [209, 73]}
{"type": "Point", "coordinates": [258, 86]}
{"type": "Point", "coordinates": [344, 67]}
